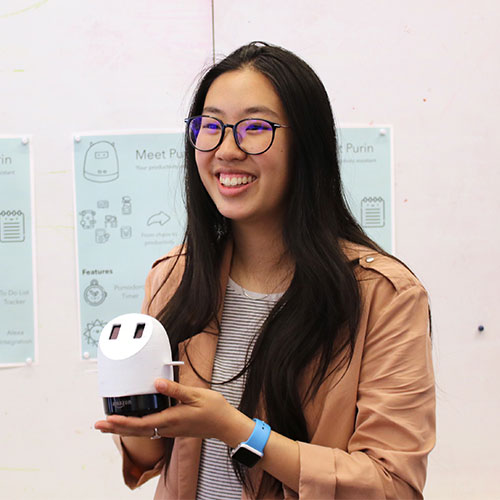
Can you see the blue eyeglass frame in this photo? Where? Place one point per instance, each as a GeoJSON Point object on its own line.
{"type": "Point", "coordinates": [224, 126]}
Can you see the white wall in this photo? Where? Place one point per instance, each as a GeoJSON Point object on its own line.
{"type": "Point", "coordinates": [429, 68]}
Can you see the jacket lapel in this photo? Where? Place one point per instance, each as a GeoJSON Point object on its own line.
{"type": "Point", "coordinates": [201, 351]}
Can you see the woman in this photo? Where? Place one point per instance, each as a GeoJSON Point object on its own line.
{"type": "Point", "coordinates": [282, 310]}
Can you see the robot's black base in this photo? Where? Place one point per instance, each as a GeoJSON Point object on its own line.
{"type": "Point", "coordinates": [136, 406]}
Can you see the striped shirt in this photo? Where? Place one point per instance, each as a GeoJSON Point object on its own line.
{"type": "Point", "coordinates": [242, 316]}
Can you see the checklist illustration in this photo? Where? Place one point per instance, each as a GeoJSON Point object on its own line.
{"type": "Point", "coordinates": [12, 226]}
{"type": "Point", "coordinates": [372, 212]}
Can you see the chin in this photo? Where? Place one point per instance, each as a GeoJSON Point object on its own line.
{"type": "Point", "coordinates": [233, 214]}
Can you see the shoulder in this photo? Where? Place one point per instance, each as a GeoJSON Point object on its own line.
{"type": "Point", "coordinates": [394, 302]}
{"type": "Point", "coordinates": [177, 253]}
{"type": "Point", "coordinates": [169, 266]}
{"type": "Point", "coordinates": [373, 268]}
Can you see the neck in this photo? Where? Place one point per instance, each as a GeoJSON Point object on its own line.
{"type": "Point", "coordinates": [260, 262]}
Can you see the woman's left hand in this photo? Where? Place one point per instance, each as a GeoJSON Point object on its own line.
{"type": "Point", "coordinates": [202, 413]}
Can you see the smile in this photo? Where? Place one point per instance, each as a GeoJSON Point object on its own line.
{"type": "Point", "coordinates": [230, 180]}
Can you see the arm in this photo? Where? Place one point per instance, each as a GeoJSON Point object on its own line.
{"type": "Point", "coordinates": [135, 471]}
{"type": "Point", "coordinates": [201, 413]}
{"type": "Point", "coordinates": [394, 427]}
{"type": "Point", "coordinates": [144, 452]}
{"type": "Point", "coordinates": [386, 455]}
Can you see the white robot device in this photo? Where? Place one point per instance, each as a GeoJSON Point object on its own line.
{"type": "Point", "coordinates": [134, 350]}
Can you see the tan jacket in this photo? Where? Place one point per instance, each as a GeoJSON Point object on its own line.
{"type": "Point", "coordinates": [371, 431]}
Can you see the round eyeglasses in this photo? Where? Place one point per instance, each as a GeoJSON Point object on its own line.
{"type": "Point", "coordinates": [253, 136]}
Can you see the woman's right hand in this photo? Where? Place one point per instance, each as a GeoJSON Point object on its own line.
{"type": "Point", "coordinates": [143, 451]}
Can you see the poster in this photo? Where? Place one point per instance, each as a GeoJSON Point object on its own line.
{"type": "Point", "coordinates": [129, 212]}
{"type": "Point", "coordinates": [367, 174]}
{"type": "Point", "coordinates": [17, 290]}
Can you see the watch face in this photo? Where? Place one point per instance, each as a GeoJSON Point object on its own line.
{"type": "Point", "coordinates": [246, 456]}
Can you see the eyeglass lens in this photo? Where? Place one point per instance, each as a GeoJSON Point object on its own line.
{"type": "Point", "coordinates": [253, 135]}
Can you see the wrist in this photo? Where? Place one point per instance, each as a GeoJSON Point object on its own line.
{"type": "Point", "coordinates": [237, 429]}
{"type": "Point", "coordinates": [251, 451]}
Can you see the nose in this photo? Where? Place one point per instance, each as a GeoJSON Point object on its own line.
{"type": "Point", "coordinates": [229, 150]}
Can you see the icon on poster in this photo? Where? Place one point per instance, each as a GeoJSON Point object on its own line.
{"type": "Point", "coordinates": [160, 218]}
{"type": "Point", "coordinates": [101, 236]}
{"type": "Point", "coordinates": [12, 226]}
{"type": "Point", "coordinates": [126, 205]}
{"type": "Point", "coordinates": [372, 212]}
{"type": "Point", "coordinates": [87, 219]}
{"type": "Point", "coordinates": [126, 232]}
{"type": "Point", "coordinates": [92, 332]}
{"type": "Point", "coordinates": [94, 294]}
{"type": "Point", "coordinates": [110, 221]}
{"type": "Point", "coordinates": [101, 162]}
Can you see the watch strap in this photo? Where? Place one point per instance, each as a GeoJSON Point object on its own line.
{"type": "Point", "coordinates": [260, 435]}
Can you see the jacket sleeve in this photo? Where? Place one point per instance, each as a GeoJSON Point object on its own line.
{"type": "Point", "coordinates": [386, 455]}
{"type": "Point", "coordinates": [134, 476]}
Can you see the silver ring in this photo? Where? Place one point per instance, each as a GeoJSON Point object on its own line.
{"type": "Point", "coordinates": [155, 435]}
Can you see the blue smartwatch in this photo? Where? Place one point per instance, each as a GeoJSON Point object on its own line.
{"type": "Point", "coordinates": [251, 451]}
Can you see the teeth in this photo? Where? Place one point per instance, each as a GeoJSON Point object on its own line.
{"type": "Point", "coordinates": [227, 180]}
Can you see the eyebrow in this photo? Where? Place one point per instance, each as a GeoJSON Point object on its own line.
{"type": "Point", "coordinates": [249, 111]}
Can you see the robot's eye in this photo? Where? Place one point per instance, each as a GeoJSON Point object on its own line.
{"type": "Point", "coordinates": [139, 329]}
{"type": "Point", "coordinates": [114, 332]}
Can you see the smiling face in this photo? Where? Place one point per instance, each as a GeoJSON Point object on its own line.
{"type": "Point", "coordinates": [246, 188]}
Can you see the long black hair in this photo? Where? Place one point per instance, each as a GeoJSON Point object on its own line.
{"type": "Point", "coordinates": [316, 319]}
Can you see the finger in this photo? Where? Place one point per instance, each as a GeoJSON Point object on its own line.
{"type": "Point", "coordinates": [105, 427]}
{"type": "Point", "coordinates": [124, 420]}
{"type": "Point", "coordinates": [145, 422]}
{"type": "Point", "coordinates": [140, 425]}
{"type": "Point", "coordinates": [109, 426]}
{"type": "Point", "coordinates": [102, 425]}
{"type": "Point", "coordinates": [182, 393]}
{"type": "Point", "coordinates": [125, 426]}
{"type": "Point", "coordinates": [99, 423]}
{"type": "Point", "coordinates": [126, 430]}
